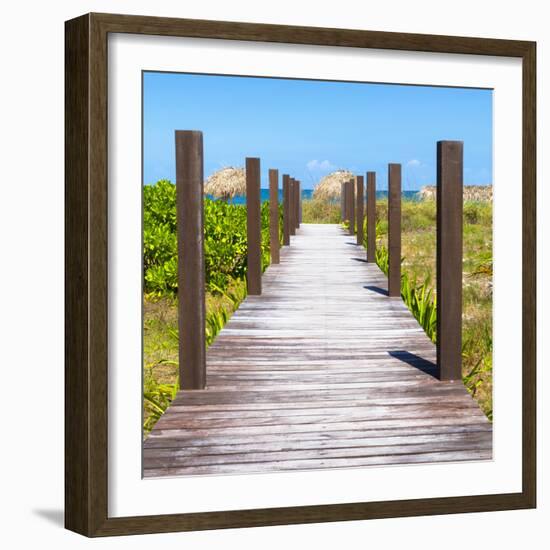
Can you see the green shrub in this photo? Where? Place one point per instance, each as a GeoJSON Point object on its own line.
{"type": "Point", "coordinates": [225, 246]}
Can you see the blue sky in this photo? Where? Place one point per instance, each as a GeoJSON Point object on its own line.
{"type": "Point", "coordinates": [309, 128]}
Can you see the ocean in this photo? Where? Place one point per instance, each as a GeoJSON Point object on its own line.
{"type": "Point", "coordinates": [306, 195]}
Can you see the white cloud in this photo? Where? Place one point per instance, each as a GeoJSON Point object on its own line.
{"type": "Point", "coordinates": [319, 165]}
{"type": "Point", "coordinates": [414, 163]}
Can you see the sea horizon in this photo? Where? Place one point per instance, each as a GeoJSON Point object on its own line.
{"type": "Point", "coordinates": [306, 194]}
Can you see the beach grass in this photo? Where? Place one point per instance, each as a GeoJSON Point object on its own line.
{"type": "Point", "coordinates": [418, 242]}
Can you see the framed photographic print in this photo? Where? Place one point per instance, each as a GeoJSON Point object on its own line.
{"type": "Point", "coordinates": [300, 274]}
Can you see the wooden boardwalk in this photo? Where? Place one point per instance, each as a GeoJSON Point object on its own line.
{"type": "Point", "coordinates": [323, 370]}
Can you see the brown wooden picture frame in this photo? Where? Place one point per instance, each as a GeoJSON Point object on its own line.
{"type": "Point", "coordinates": [86, 284]}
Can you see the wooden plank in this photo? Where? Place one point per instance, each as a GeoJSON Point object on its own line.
{"type": "Point", "coordinates": [449, 259]}
{"type": "Point", "coordinates": [156, 459]}
{"type": "Point", "coordinates": [364, 425]}
{"type": "Point", "coordinates": [371, 217]}
{"type": "Point", "coordinates": [190, 225]}
{"type": "Point", "coordinates": [347, 462]}
{"type": "Point", "coordinates": [274, 215]}
{"type": "Point", "coordinates": [253, 227]}
{"type": "Point", "coordinates": [327, 417]}
{"type": "Point", "coordinates": [394, 230]}
{"type": "Point", "coordinates": [315, 440]}
{"type": "Point", "coordinates": [299, 407]}
{"type": "Point", "coordinates": [167, 440]}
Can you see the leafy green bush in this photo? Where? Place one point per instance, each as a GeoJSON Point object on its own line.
{"type": "Point", "coordinates": [225, 246]}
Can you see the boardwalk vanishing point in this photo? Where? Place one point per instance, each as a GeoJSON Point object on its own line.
{"type": "Point", "coordinates": [322, 370]}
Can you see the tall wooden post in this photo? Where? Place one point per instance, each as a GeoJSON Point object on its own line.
{"type": "Point", "coordinates": [449, 259]}
{"type": "Point", "coordinates": [286, 210]}
{"type": "Point", "coordinates": [351, 206]}
{"type": "Point", "coordinates": [371, 217]}
{"type": "Point", "coordinates": [274, 215]}
{"type": "Point", "coordinates": [253, 227]}
{"type": "Point", "coordinates": [292, 206]}
{"type": "Point", "coordinates": [394, 230]}
{"type": "Point", "coordinates": [360, 209]}
{"type": "Point", "coordinates": [297, 203]}
{"type": "Point", "coordinates": [342, 201]}
{"type": "Point", "coordinates": [190, 228]}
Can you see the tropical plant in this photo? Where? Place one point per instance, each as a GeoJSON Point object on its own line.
{"type": "Point", "coordinates": [225, 242]}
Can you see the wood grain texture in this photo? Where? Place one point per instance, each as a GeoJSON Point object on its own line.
{"type": "Point", "coordinates": [86, 364]}
{"type": "Point", "coordinates": [292, 206]}
{"type": "Point", "coordinates": [299, 204]}
{"type": "Point", "coordinates": [191, 278]}
{"type": "Point", "coordinates": [360, 209]}
{"type": "Point", "coordinates": [371, 217]}
{"type": "Point", "coordinates": [286, 209]}
{"type": "Point", "coordinates": [449, 259]}
{"type": "Point", "coordinates": [351, 206]}
{"type": "Point", "coordinates": [253, 227]}
{"type": "Point", "coordinates": [274, 215]}
{"type": "Point", "coordinates": [321, 371]}
{"type": "Point", "coordinates": [77, 228]}
{"type": "Point", "coordinates": [394, 230]}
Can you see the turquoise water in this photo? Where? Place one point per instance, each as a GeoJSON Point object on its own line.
{"type": "Point", "coordinates": [306, 194]}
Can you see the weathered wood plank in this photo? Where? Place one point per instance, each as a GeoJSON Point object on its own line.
{"type": "Point", "coordinates": [273, 444]}
{"type": "Point", "coordinates": [170, 440]}
{"type": "Point", "coordinates": [173, 460]}
{"type": "Point", "coordinates": [306, 464]}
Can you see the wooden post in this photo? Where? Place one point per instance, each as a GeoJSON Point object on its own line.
{"type": "Point", "coordinates": [394, 229]}
{"type": "Point", "coordinates": [342, 201]}
{"type": "Point", "coordinates": [286, 210]}
{"type": "Point", "coordinates": [292, 206]}
{"type": "Point", "coordinates": [360, 209]}
{"type": "Point", "coordinates": [274, 215]}
{"type": "Point", "coordinates": [449, 259]}
{"type": "Point", "coordinates": [351, 206]}
{"type": "Point", "coordinates": [371, 217]}
{"type": "Point", "coordinates": [190, 228]}
{"type": "Point", "coordinates": [253, 227]}
{"type": "Point", "coordinates": [298, 203]}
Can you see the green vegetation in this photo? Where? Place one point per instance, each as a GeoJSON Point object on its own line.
{"type": "Point", "coordinates": [160, 338]}
{"type": "Point", "coordinates": [320, 211]}
{"type": "Point", "coordinates": [418, 241]}
{"type": "Point", "coordinates": [225, 264]}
